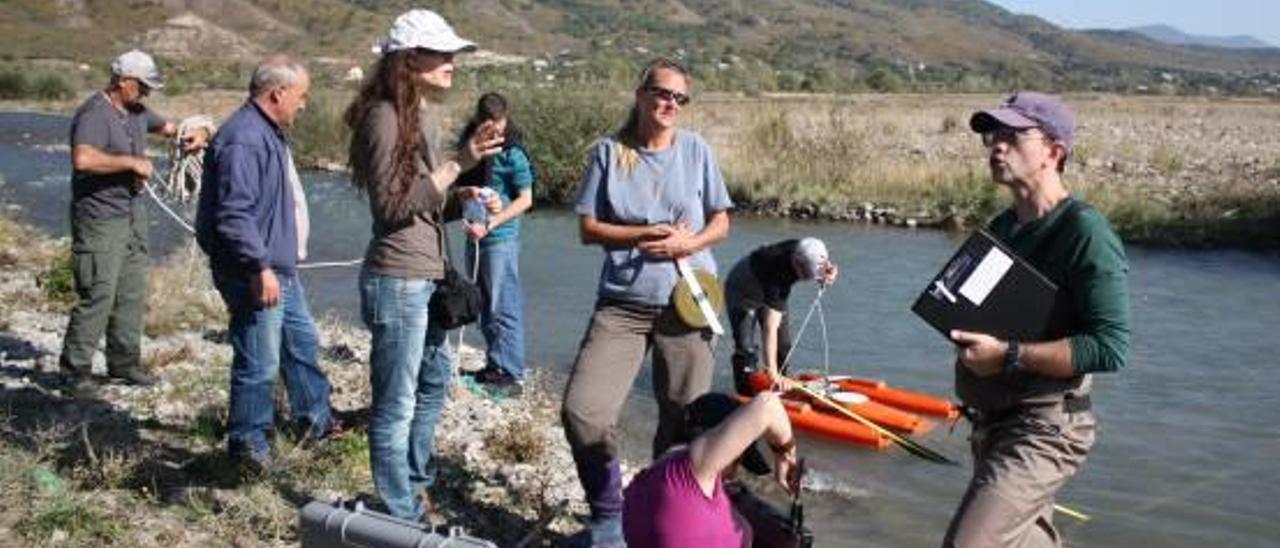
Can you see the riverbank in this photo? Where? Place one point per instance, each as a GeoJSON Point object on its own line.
{"type": "Point", "coordinates": [1169, 171]}
{"type": "Point", "coordinates": [147, 466]}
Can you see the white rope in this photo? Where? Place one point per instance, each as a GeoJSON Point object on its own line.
{"type": "Point", "coordinates": [826, 344]}
{"type": "Point", "coordinates": [191, 230]}
{"type": "Point", "coordinates": [186, 169]}
{"type": "Point", "coordinates": [796, 340]}
{"type": "Point", "coordinates": [151, 191]}
{"type": "Point", "coordinates": [475, 273]}
{"type": "Point", "coordinates": [329, 264]}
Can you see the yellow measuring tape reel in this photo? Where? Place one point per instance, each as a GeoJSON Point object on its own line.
{"type": "Point", "coordinates": [687, 308]}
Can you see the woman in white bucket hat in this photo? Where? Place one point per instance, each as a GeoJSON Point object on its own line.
{"type": "Point", "coordinates": [397, 159]}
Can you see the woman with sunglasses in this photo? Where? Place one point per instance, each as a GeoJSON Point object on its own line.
{"type": "Point", "coordinates": [397, 159]}
{"type": "Point", "coordinates": [651, 194]}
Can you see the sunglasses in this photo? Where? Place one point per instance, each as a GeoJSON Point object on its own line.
{"type": "Point", "coordinates": [1010, 136]}
{"type": "Point", "coordinates": [671, 96]}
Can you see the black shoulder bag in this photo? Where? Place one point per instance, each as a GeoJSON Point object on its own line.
{"type": "Point", "coordinates": [456, 301]}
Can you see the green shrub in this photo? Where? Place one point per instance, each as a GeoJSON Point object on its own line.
{"type": "Point", "coordinates": [58, 281]}
{"type": "Point", "coordinates": [320, 134]}
{"type": "Point", "coordinates": [14, 85]}
{"type": "Point", "coordinates": [51, 87]}
{"type": "Point", "coordinates": [82, 523]}
{"type": "Point", "coordinates": [886, 81]}
{"type": "Point", "coordinates": [18, 84]}
{"type": "Point", "coordinates": [559, 128]}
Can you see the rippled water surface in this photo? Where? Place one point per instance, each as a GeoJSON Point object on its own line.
{"type": "Point", "coordinates": [1188, 448]}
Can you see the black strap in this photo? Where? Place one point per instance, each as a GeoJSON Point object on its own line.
{"type": "Point", "coordinates": [1070, 404]}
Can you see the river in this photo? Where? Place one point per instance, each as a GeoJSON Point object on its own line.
{"type": "Point", "coordinates": [1188, 451]}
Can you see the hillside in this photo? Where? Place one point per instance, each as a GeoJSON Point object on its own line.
{"type": "Point", "coordinates": [1169, 35]}
{"type": "Point", "coordinates": [810, 45]}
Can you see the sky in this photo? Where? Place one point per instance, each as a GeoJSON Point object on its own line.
{"type": "Point", "coordinates": [1258, 18]}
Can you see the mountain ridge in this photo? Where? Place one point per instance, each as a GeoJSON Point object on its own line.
{"type": "Point", "coordinates": [1174, 36]}
{"type": "Point", "coordinates": [805, 44]}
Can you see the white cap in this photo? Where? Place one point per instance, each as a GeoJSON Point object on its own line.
{"type": "Point", "coordinates": [422, 29]}
{"type": "Point", "coordinates": [812, 254]}
{"type": "Point", "coordinates": [137, 64]}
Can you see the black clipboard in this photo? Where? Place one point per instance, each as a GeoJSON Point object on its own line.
{"type": "Point", "coordinates": [987, 288]}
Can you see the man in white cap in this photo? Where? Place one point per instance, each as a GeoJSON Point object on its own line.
{"type": "Point", "coordinates": [109, 222]}
{"type": "Point", "coordinates": [756, 294]}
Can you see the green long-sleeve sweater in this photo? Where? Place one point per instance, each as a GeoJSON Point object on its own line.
{"type": "Point", "coordinates": [1086, 259]}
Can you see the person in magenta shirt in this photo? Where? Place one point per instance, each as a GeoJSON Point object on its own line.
{"type": "Point", "coordinates": [680, 499]}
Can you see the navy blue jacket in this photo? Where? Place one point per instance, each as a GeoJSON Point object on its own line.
{"type": "Point", "coordinates": [245, 221]}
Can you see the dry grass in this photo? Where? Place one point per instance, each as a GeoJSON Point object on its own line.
{"type": "Point", "coordinates": [182, 297]}
{"type": "Point", "coordinates": [160, 358]}
{"type": "Point", "coordinates": [519, 441]}
{"type": "Point", "coordinates": [1181, 170]}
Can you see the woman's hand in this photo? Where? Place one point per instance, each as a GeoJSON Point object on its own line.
{"type": "Point", "coordinates": [493, 203]}
{"type": "Point", "coordinates": [676, 243]}
{"type": "Point", "coordinates": [485, 142]}
{"type": "Point", "coordinates": [780, 383]}
{"type": "Point", "coordinates": [786, 467]}
{"type": "Point", "coordinates": [477, 231]}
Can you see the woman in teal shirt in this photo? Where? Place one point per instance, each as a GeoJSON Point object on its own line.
{"type": "Point", "coordinates": [509, 176]}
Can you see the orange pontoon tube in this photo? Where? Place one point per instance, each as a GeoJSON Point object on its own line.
{"type": "Point", "coordinates": [879, 413]}
{"type": "Point", "coordinates": [807, 419]}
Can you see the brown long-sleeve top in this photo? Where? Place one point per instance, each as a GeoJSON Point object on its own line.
{"type": "Point", "coordinates": [407, 228]}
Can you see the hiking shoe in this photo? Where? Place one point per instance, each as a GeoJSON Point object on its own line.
{"type": "Point", "coordinates": [494, 375]}
{"type": "Point", "coordinates": [134, 376]}
{"type": "Point", "coordinates": [431, 516]}
{"type": "Point", "coordinates": [253, 463]}
{"type": "Point", "coordinates": [500, 383]}
{"type": "Point", "coordinates": [600, 533]}
{"type": "Point", "coordinates": [333, 429]}
{"type": "Point", "coordinates": [80, 387]}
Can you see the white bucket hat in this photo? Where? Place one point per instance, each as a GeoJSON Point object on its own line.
{"type": "Point", "coordinates": [812, 254]}
{"type": "Point", "coordinates": [137, 64]}
{"type": "Point", "coordinates": [422, 29]}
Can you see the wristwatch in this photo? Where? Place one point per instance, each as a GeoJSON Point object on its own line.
{"type": "Point", "coordinates": [1012, 363]}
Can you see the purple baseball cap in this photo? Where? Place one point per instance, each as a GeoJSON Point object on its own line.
{"type": "Point", "coordinates": [1028, 109]}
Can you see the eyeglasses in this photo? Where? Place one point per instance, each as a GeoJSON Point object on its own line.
{"type": "Point", "coordinates": [1010, 136]}
{"type": "Point", "coordinates": [669, 95]}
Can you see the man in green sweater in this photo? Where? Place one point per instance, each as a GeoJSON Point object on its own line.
{"type": "Point", "coordinates": [1029, 400]}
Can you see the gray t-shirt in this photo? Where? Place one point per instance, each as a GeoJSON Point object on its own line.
{"type": "Point", "coordinates": [98, 124]}
{"type": "Point", "coordinates": [679, 184]}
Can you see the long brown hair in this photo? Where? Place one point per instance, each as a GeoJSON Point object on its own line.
{"type": "Point", "coordinates": [628, 135]}
{"type": "Point", "coordinates": [394, 80]}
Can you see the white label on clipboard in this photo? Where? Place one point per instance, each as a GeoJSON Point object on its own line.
{"type": "Point", "coordinates": [985, 277]}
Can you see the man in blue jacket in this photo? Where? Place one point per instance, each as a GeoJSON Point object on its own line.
{"type": "Point", "coordinates": [252, 222]}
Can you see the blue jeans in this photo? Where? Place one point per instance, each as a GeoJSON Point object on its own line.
{"type": "Point", "coordinates": [502, 319]}
{"type": "Point", "coordinates": [262, 340]}
{"type": "Point", "coordinates": [409, 370]}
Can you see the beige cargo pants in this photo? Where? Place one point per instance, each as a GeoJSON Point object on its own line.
{"type": "Point", "coordinates": [1019, 465]}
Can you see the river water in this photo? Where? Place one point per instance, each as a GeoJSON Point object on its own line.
{"type": "Point", "coordinates": [1188, 451]}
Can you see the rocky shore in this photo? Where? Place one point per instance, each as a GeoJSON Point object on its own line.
{"type": "Point", "coordinates": [146, 466]}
